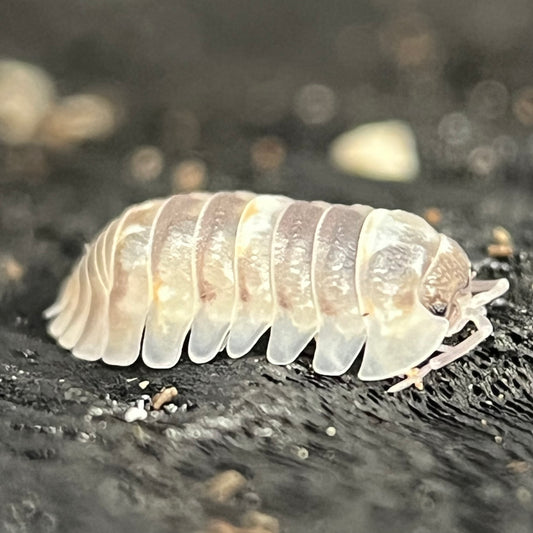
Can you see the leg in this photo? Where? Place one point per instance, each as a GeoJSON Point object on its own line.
{"type": "Point", "coordinates": [487, 290]}
{"type": "Point", "coordinates": [450, 354]}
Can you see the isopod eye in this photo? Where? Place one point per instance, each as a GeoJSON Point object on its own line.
{"type": "Point", "coordinates": [438, 309]}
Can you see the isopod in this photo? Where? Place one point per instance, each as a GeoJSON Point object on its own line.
{"type": "Point", "coordinates": [228, 266]}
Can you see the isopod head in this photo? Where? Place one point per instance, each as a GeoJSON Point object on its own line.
{"type": "Point", "coordinates": [416, 288]}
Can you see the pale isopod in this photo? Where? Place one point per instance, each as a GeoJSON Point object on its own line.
{"type": "Point", "coordinates": [229, 266]}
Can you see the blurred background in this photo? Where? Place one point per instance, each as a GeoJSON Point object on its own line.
{"type": "Point", "coordinates": [409, 104]}
{"type": "Point", "coordinates": [205, 94]}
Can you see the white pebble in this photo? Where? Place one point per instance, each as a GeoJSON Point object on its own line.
{"type": "Point", "coordinates": [83, 437]}
{"type": "Point", "coordinates": [144, 384]}
{"type": "Point", "coordinates": [263, 432]}
{"type": "Point", "coordinates": [331, 431]}
{"type": "Point", "coordinates": [26, 95]}
{"type": "Point", "coordinates": [95, 411]}
{"type": "Point", "coordinates": [134, 413]}
{"type": "Point", "coordinates": [172, 433]}
{"type": "Point", "coordinates": [302, 453]}
{"type": "Point", "coordinates": [78, 118]}
{"type": "Point", "coordinates": [170, 408]}
{"type": "Point", "coordinates": [379, 151]}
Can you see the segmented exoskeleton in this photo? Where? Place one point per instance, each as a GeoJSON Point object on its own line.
{"type": "Point", "coordinates": [230, 265]}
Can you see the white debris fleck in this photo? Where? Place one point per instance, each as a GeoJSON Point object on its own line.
{"type": "Point", "coordinates": [83, 436]}
{"type": "Point", "coordinates": [135, 413]}
{"type": "Point", "coordinates": [380, 151]}
{"type": "Point", "coordinates": [331, 431]}
{"type": "Point", "coordinates": [263, 432]}
{"type": "Point", "coordinates": [170, 408]}
{"type": "Point", "coordinates": [143, 384]}
{"type": "Point", "coordinates": [172, 433]}
{"type": "Point", "coordinates": [302, 453]}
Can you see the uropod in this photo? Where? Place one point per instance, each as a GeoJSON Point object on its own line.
{"type": "Point", "coordinates": [231, 265]}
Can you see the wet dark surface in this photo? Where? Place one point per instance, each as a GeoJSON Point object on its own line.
{"type": "Point", "coordinates": [457, 456]}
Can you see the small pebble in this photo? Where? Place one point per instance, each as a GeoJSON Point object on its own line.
{"type": "Point", "coordinates": [268, 153]}
{"type": "Point", "coordinates": [144, 384]}
{"type": "Point", "coordinates": [331, 431]}
{"type": "Point", "coordinates": [263, 432]}
{"type": "Point", "coordinates": [189, 175]}
{"type": "Point", "coordinates": [165, 396]}
{"type": "Point", "coordinates": [379, 151]}
{"type": "Point", "coordinates": [134, 413]}
{"type": "Point", "coordinates": [255, 519]}
{"type": "Point", "coordinates": [302, 453]}
{"type": "Point", "coordinates": [83, 436]}
{"type": "Point", "coordinates": [518, 467]}
{"type": "Point", "coordinates": [146, 163]}
{"type": "Point", "coordinates": [503, 243]}
{"type": "Point", "coordinates": [170, 408]}
{"type": "Point", "coordinates": [172, 433]}
{"type": "Point", "coordinates": [26, 95]}
{"type": "Point", "coordinates": [225, 485]}
{"type": "Point", "coordinates": [433, 216]}
{"type": "Point", "coordinates": [78, 118]}
{"type": "Point", "coordinates": [95, 411]}
{"type": "Point", "coordinates": [10, 268]}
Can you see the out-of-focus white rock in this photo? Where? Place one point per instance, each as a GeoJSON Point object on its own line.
{"type": "Point", "coordinates": [135, 413]}
{"type": "Point", "coordinates": [380, 151]}
{"type": "Point", "coordinates": [26, 96]}
{"type": "Point", "coordinates": [78, 118]}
